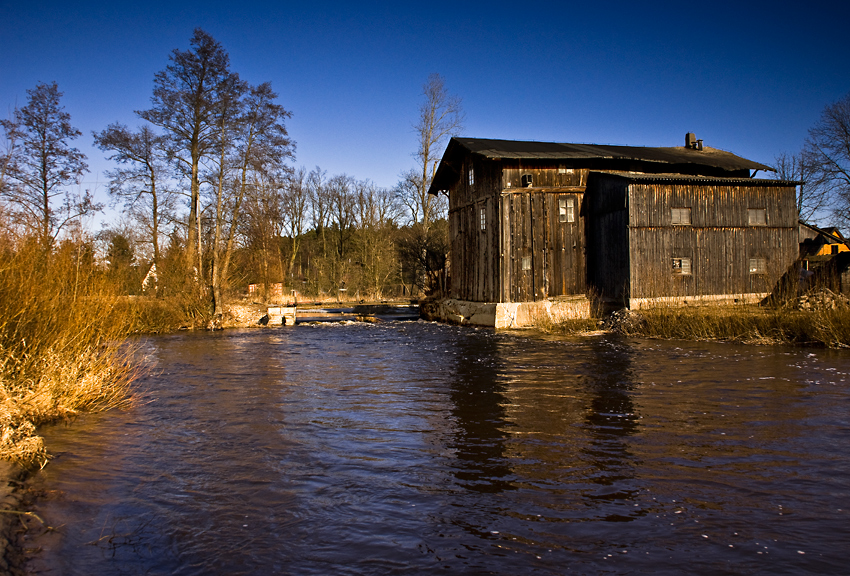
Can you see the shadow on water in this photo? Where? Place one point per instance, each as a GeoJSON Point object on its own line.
{"type": "Point", "coordinates": [476, 393]}
{"type": "Point", "coordinates": [611, 419]}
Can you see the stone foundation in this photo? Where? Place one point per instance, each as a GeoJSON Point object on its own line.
{"type": "Point", "coordinates": [507, 314]}
{"type": "Point", "coordinates": [703, 300]}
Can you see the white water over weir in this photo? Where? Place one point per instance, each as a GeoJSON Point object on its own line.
{"type": "Point", "coordinates": [407, 447]}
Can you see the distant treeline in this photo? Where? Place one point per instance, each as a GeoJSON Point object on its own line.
{"type": "Point", "coordinates": [212, 200]}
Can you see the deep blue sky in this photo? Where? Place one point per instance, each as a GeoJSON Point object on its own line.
{"type": "Point", "coordinates": [746, 77]}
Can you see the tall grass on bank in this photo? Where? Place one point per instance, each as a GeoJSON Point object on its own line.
{"type": "Point", "coordinates": [151, 315]}
{"type": "Point", "coordinates": [749, 324]}
{"type": "Point", "coordinates": [60, 345]}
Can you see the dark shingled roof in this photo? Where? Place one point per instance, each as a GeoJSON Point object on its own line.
{"type": "Point", "coordinates": [641, 177]}
{"type": "Point", "coordinates": [521, 150]}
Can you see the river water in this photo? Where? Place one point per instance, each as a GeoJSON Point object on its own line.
{"type": "Point", "coordinates": [419, 448]}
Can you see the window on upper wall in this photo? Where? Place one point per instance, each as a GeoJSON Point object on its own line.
{"type": "Point", "coordinates": [566, 210]}
{"type": "Point", "coordinates": [757, 217]}
{"type": "Point", "coordinates": [471, 176]}
{"type": "Point", "coordinates": [483, 219]}
{"type": "Point", "coordinates": [758, 265]}
{"type": "Point", "coordinates": [682, 266]}
{"type": "Point", "coordinates": [833, 249]}
{"type": "Point", "coordinates": [680, 216]}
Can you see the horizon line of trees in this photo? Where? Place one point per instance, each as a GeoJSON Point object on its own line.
{"type": "Point", "coordinates": [211, 199]}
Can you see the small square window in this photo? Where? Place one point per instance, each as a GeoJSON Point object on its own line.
{"type": "Point", "coordinates": [682, 266]}
{"type": "Point", "coordinates": [566, 210]}
{"type": "Point", "coordinates": [471, 176]}
{"type": "Point", "coordinates": [834, 249]}
{"type": "Point", "coordinates": [483, 219]}
{"type": "Point", "coordinates": [526, 262]}
{"type": "Point", "coordinates": [758, 265]}
{"type": "Point", "coordinates": [757, 217]}
{"type": "Point", "coordinates": [681, 217]}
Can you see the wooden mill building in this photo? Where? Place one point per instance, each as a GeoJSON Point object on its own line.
{"type": "Point", "coordinates": [536, 226]}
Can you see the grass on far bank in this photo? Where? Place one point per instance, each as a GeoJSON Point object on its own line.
{"type": "Point", "coordinates": [750, 324]}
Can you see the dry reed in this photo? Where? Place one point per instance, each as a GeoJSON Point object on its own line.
{"type": "Point", "coordinates": [61, 350]}
{"type": "Point", "coordinates": [742, 323]}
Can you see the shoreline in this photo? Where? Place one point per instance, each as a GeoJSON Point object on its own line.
{"type": "Point", "coordinates": [12, 499]}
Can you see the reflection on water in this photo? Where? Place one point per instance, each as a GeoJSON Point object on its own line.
{"type": "Point", "coordinates": [415, 448]}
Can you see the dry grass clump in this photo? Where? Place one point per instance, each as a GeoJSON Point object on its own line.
{"type": "Point", "coordinates": [60, 344]}
{"type": "Point", "coordinates": [748, 324]}
{"type": "Point", "coordinates": [569, 326]}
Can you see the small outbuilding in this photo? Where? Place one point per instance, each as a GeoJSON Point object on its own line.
{"type": "Point", "coordinates": [824, 259]}
{"type": "Point", "coordinates": [537, 226]}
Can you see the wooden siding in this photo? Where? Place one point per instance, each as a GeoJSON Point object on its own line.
{"type": "Point", "coordinates": [544, 177]}
{"type": "Point", "coordinates": [719, 242]}
{"type": "Point", "coordinates": [719, 257]}
{"type": "Point", "coordinates": [711, 205]}
{"type": "Point", "coordinates": [475, 253]}
{"type": "Point", "coordinates": [534, 237]}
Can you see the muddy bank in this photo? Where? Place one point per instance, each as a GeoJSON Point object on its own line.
{"type": "Point", "coordinates": [12, 505]}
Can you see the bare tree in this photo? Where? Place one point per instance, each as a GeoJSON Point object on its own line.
{"type": "Point", "coordinates": [377, 212]}
{"type": "Point", "coordinates": [263, 222]}
{"type": "Point", "coordinates": [186, 103]}
{"type": "Point", "coordinates": [440, 116]}
{"type": "Point", "coordinates": [812, 195]}
{"type": "Point", "coordinates": [295, 202]}
{"type": "Point", "coordinates": [253, 140]}
{"type": "Point", "coordinates": [423, 248]}
{"type": "Point", "coordinates": [828, 147]}
{"type": "Point", "coordinates": [140, 179]}
{"type": "Point", "coordinates": [42, 162]}
{"type": "Point", "coordinates": [342, 211]}
{"type": "Point", "coordinates": [226, 193]}
{"type": "Point", "coordinates": [8, 150]}
{"type": "Point", "coordinates": [420, 208]}
{"type": "Point", "coordinates": [317, 188]}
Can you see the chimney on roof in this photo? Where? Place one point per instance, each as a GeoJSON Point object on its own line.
{"type": "Point", "coordinates": [691, 142]}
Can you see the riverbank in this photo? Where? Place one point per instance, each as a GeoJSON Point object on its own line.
{"type": "Point", "coordinates": [821, 320]}
{"type": "Point", "coordinates": [11, 476]}
{"type": "Point", "coordinates": [61, 354]}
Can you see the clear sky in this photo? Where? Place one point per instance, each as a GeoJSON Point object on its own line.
{"type": "Point", "coordinates": [748, 77]}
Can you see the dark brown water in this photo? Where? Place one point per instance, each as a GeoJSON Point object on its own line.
{"type": "Point", "coordinates": [415, 448]}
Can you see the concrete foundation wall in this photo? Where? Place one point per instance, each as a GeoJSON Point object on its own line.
{"type": "Point", "coordinates": [704, 300]}
{"type": "Point", "coordinates": [506, 314]}
{"type": "Point", "coordinates": [281, 315]}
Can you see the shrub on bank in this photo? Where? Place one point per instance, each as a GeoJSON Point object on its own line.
{"type": "Point", "coordinates": [151, 315]}
{"type": "Point", "coordinates": [60, 344]}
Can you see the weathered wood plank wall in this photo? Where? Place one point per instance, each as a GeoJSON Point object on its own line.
{"type": "Point", "coordinates": [475, 248]}
{"type": "Point", "coordinates": [717, 240]}
{"type": "Point", "coordinates": [524, 252]}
